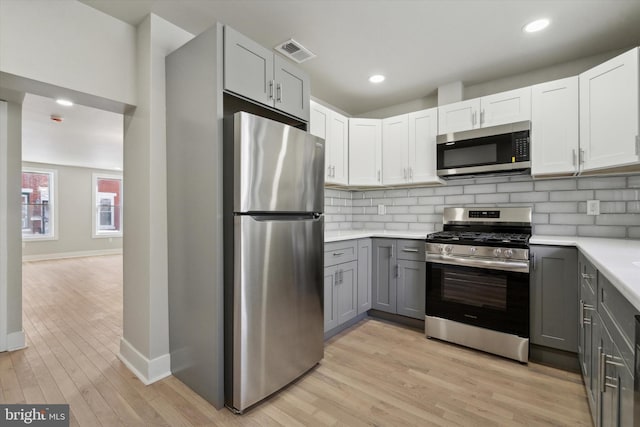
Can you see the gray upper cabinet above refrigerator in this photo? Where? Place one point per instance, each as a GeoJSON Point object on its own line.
{"type": "Point", "coordinates": [256, 73]}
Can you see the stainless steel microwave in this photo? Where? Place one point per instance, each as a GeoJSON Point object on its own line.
{"type": "Point", "coordinates": [496, 149]}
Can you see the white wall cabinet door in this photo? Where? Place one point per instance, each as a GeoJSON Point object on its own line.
{"type": "Point", "coordinates": [365, 152]}
{"type": "Point", "coordinates": [395, 150]}
{"type": "Point", "coordinates": [339, 141]}
{"type": "Point", "coordinates": [554, 128]}
{"type": "Point", "coordinates": [292, 88]}
{"type": "Point", "coordinates": [609, 113]}
{"type": "Point", "coordinates": [459, 116]}
{"type": "Point", "coordinates": [423, 129]}
{"type": "Point", "coordinates": [334, 128]}
{"type": "Point", "coordinates": [505, 107]}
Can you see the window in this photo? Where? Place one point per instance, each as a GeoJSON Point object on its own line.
{"type": "Point", "coordinates": [38, 204]}
{"type": "Point", "coordinates": [107, 207]}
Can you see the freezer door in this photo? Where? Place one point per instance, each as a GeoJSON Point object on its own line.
{"type": "Point", "coordinates": [278, 304]}
{"type": "Point", "coordinates": [277, 168]}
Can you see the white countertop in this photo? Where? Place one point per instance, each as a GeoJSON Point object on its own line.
{"type": "Point", "coordinates": [617, 259]}
{"type": "Point", "coordinates": [336, 236]}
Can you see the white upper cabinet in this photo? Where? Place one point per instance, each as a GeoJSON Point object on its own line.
{"type": "Point", "coordinates": [505, 107]}
{"type": "Point", "coordinates": [554, 127]}
{"type": "Point", "coordinates": [459, 116]}
{"type": "Point", "coordinates": [395, 150]}
{"type": "Point", "coordinates": [339, 142]}
{"type": "Point", "coordinates": [365, 152]}
{"type": "Point", "coordinates": [609, 114]}
{"type": "Point", "coordinates": [423, 130]}
{"type": "Point", "coordinates": [497, 109]}
{"type": "Point", "coordinates": [256, 73]}
{"type": "Point", "coordinates": [334, 129]}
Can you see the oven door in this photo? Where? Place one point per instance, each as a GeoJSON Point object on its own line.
{"type": "Point", "coordinates": [492, 299]}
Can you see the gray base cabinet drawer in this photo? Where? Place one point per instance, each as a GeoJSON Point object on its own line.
{"type": "Point", "coordinates": [340, 252]}
{"type": "Point", "coordinates": [411, 250]}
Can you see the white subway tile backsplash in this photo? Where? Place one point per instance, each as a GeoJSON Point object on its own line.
{"type": "Point", "coordinates": [459, 200]}
{"type": "Point", "coordinates": [570, 219]}
{"type": "Point", "coordinates": [480, 189]}
{"type": "Point", "coordinates": [432, 200]}
{"type": "Point", "coordinates": [558, 230]}
{"type": "Point", "coordinates": [448, 190]}
{"type": "Point", "coordinates": [618, 194]}
{"type": "Point", "coordinates": [618, 219]}
{"type": "Point", "coordinates": [405, 201]}
{"type": "Point", "coordinates": [555, 184]}
{"type": "Point", "coordinates": [422, 209]}
{"type": "Point", "coordinates": [618, 232]}
{"type": "Point", "coordinates": [565, 196]}
{"type": "Point", "coordinates": [492, 198]}
{"type": "Point", "coordinates": [419, 192]}
{"type": "Point", "coordinates": [559, 205]}
{"type": "Point", "coordinates": [533, 196]}
{"type": "Point", "coordinates": [593, 183]}
{"type": "Point", "coordinates": [510, 187]}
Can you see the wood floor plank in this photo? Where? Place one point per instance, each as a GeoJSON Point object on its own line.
{"type": "Point", "coordinates": [373, 374]}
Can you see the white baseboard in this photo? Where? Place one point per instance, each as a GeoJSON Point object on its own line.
{"type": "Point", "coordinates": [147, 371]}
{"type": "Point", "coordinates": [16, 341]}
{"type": "Point", "coordinates": [62, 255]}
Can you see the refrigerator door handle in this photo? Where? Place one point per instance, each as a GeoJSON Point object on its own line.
{"type": "Point", "coordinates": [313, 216]}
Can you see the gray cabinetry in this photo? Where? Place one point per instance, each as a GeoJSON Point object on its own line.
{"type": "Point", "coordinates": [364, 275]}
{"type": "Point", "coordinates": [554, 292]}
{"type": "Point", "coordinates": [605, 347]}
{"type": "Point", "coordinates": [399, 277]}
{"type": "Point", "coordinates": [255, 72]}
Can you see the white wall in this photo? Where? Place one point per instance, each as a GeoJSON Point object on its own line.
{"type": "Point", "coordinates": [70, 45]}
{"type": "Point", "coordinates": [74, 209]}
{"type": "Point", "coordinates": [10, 249]}
{"type": "Point", "coordinates": [145, 343]}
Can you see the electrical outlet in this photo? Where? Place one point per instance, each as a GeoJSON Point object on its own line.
{"type": "Point", "coordinates": [381, 210]}
{"type": "Point", "coordinates": [593, 207]}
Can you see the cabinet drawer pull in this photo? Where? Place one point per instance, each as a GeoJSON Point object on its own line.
{"type": "Point", "coordinates": [338, 253]}
{"type": "Point", "coordinates": [271, 82]}
{"type": "Point", "coordinates": [409, 250]}
{"type": "Point", "coordinates": [279, 92]}
{"type": "Point", "coordinates": [601, 368]}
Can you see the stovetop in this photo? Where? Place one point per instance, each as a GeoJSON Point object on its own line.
{"type": "Point", "coordinates": [507, 240]}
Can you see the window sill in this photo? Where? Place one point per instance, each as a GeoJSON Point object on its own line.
{"type": "Point", "coordinates": [107, 235]}
{"type": "Point", "coordinates": [38, 239]}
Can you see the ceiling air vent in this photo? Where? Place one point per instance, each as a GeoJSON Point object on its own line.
{"type": "Point", "coordinates": [294, 50]}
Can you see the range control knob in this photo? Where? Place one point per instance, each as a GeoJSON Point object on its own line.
{"type": "Point", "coordinates": [497, 252]}
{"type": "Point", "coordinates": [473, 250]}
{"type": "Point", "coordinates": [448, 249]}
{"type": "Point", "coordinates": [508, 253]}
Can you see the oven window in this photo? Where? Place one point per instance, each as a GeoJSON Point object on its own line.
{"type": "Point", "coordinates": [469, 156]}
{"type": "Point", "coordinates": [476, 289]}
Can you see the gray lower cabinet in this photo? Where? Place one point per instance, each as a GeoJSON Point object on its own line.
{"type": "Point", "coordinates": [399, 277]}
{"type": "Point", "coordinates": [364, 275]}
{"type": "Point", "coordinates": [553, 296]}
{"type": "Point", "coordinates": [605, 347]}
{"type": "Point", "coordinates": [347, 281]}
{"type": "Point", "coordinates": [256, 73]}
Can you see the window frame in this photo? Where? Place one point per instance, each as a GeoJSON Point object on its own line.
{"type": "Point", "coordinates": [105, 233]}
{"type": "Point", "coordinates": [53, 204]}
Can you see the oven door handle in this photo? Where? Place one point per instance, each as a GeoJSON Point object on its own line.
{"type": "Point", "coordinates": [522, 267]}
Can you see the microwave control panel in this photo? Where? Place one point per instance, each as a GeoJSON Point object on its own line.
{"type": "Point", "coordinates": [520, 147]}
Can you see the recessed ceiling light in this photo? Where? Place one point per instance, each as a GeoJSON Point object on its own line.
{"type": "Point", "coordinates": [537, 25]}
{"type": "Point", "coordinates": [64, 102]}
{"type": "Point", "coordinates": [378, 78]}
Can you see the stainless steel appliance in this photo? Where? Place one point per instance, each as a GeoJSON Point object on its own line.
{"type": "Point", "coordinates": [636, 375]}
{"type": "Point", "coordinates": [274, 184]}
{"type": "Point", "coordinates": [496, 149]}
{"type": "Point", "coordinates": [478, 280]}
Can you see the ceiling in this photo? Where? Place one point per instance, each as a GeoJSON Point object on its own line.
{"type": "Point", "coordinates": [87, 137]}
{"type": "Point", "coordinates": [418, 44]}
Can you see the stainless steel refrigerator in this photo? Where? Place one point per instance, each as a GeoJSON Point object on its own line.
{"type": "Point", "coordinates": [274, 180]}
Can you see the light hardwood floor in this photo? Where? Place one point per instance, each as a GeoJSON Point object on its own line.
{"type": "Point", "coordinates": [376, 373]}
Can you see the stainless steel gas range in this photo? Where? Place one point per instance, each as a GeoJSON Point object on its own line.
{"type": "Point", "coordinates": [478, 280]}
